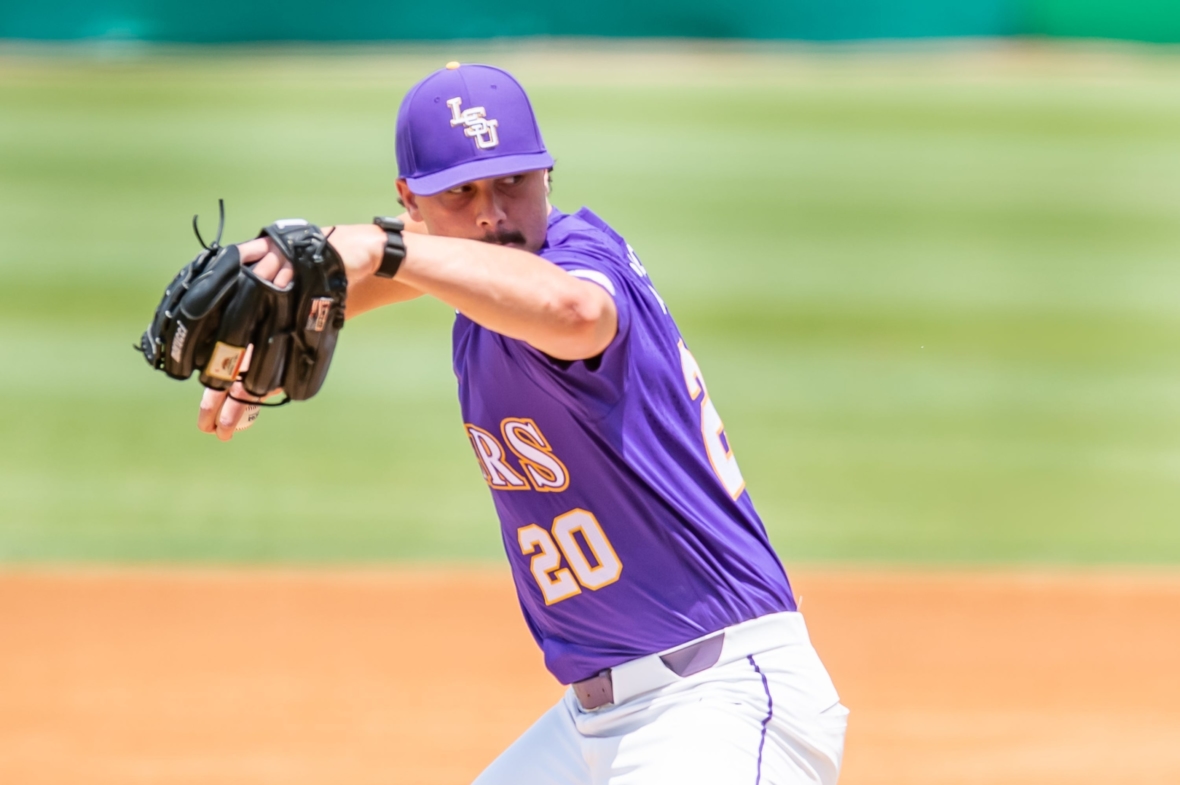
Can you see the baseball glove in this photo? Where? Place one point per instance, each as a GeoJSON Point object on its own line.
{"type": "Point", "coordinates": [216, 307]}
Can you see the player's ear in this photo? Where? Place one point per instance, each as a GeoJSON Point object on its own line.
{"type": "Point", "coordinates": [407, 199]}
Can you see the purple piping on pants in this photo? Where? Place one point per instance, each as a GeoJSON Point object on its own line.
{"type": "Point", "coordinates": [765, 722]}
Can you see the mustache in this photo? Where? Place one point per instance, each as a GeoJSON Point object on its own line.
{"type": "Point", "coordinates": [504, 237]}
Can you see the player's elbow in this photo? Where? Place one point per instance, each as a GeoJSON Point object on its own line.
{"type": "Point", "coordinates": [586, 323]}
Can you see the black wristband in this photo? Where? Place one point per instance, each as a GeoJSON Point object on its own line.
{"type": "Point", "coordinates": [395, 246]}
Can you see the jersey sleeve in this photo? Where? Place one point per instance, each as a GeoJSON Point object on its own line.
{"type": "Point", "coordinates": [596, 383]}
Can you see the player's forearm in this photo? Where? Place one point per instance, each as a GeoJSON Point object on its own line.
{"type": "Point", "coordinates": [514, 293]}
{"type": "Point", "coordinates": [510, 291]}
{"type": "Point", "coordinates": [366, 294]}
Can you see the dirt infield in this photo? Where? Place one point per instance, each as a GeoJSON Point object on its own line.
{"type": "Point", "coordinates": [421, 677]}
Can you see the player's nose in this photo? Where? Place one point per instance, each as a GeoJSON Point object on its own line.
{"type": "Point", "coordinates": [489, 212]}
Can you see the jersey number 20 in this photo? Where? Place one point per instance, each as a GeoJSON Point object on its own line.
{"type": "Point", "coordinates": [556, 582]}
{"type": "Point", "coordinates": [712, 429]}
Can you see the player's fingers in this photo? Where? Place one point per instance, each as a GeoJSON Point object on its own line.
{"type": "Point", "coordinates": [285, 275]}
{"type": "Point", "coordinates": [264, 255]}
{"type": "Point", "coordinates": [253, 250]}
{"type": "Point", "coordinates": [210, 409]}
{"type": "Point", "coordinates": [232, 411]}
{"type": "Point", "coordinates": [269, 266]}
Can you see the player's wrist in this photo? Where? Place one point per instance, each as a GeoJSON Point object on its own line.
{"type": "Point", "coordinates": [393, 251]}
{"type": "Point", "coordinates": [360, 247]}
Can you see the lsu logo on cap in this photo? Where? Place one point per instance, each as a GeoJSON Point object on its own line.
{"type": "Point", "coordinates": [475, 124]}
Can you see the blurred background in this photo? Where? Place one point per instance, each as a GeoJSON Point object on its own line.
{"type": "Point", "coordinates": [925, 252]}
{"type": "Point", "coordinates": [931, 279]}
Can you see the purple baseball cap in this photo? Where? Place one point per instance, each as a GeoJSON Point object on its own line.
{"type": "Point", "coordinates": [466, 122]}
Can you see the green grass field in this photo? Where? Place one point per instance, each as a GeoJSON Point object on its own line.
{"type": "Point", "coordinates": [936, 296]}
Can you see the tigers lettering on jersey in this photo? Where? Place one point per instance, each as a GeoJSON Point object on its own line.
{"type": "Point", "coordinates": [544, 469]}
{"type": "Point", "coordinates": [545, 472]}
{"type": "Point", "coordinates": [499, 475]}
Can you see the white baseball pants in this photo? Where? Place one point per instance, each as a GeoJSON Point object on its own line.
{"type": "Point", "coordinates": [767, 717]}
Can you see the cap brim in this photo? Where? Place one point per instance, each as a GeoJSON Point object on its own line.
{"type": "Point", "coordinates": [500, 166]}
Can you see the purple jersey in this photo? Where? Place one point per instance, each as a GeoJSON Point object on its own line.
{"type": "Point", "coordinates": [623, 511]}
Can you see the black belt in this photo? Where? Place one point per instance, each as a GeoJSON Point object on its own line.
{"type": "Point", "coordinates": [598, 690]}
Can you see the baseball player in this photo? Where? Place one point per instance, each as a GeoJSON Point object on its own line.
{"type": "Point", "coordinates": [642, 567]}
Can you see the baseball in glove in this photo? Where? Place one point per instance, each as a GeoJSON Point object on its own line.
{"type": "Point", "coordinates": [216, 307]}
